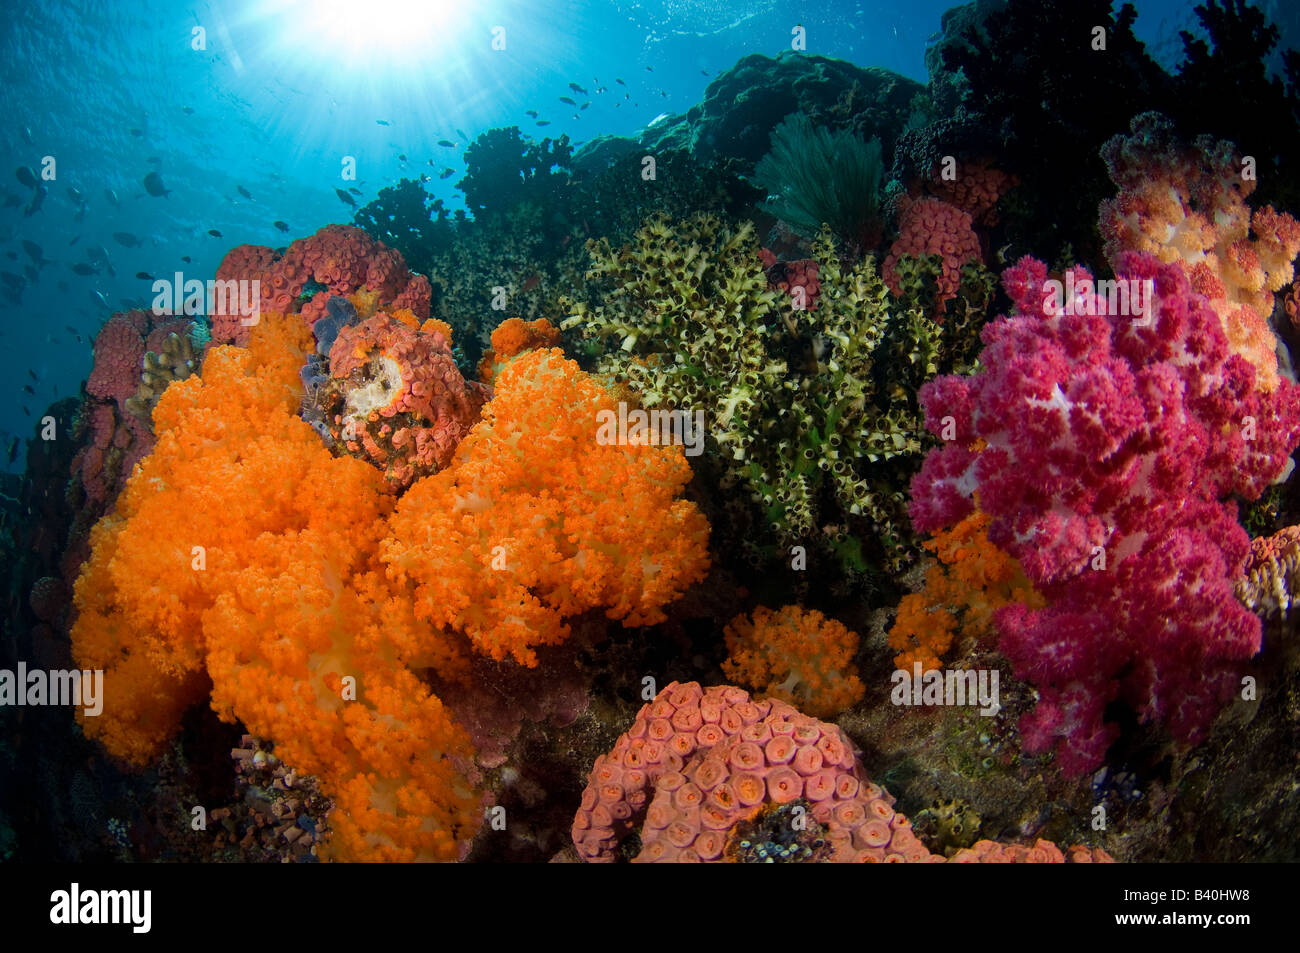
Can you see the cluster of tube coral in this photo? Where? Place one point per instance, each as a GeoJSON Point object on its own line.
{"type": "Point", "coordinates": [796, 278]}
{"type": "Point", "coordinates": [1187, 205]}
{"type": "Point", "coordinates": [975, 189]}
{"type": "Point", "coordinates": [1105, 449]}
{"type": "Point", "coordinates": [929, 226]}
{"type": "Point", "coordinates": [1270, 579]}
{"type": "Point", "coordinates": [396, 397]}
{"type": "Point", "coordinates": [337, 260]}
{"type": "Point", "coordinates": [970, 581]}
{"type": "Point", "coordinates": [796, 655]}
{"type": "Point", "coordinates": [247, 562]}
{"type": "Point", "coordinates": [699, 765]}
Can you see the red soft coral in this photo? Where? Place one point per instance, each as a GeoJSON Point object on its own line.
{"type": "Point", "coordinates": [1106, 450]}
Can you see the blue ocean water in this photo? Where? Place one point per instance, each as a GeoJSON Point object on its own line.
{"type": "Point", "coordinates": [245, 110]}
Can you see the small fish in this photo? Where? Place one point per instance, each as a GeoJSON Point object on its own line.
{"type": "Point", "coordinates": [99, 296]}
{"type": "Point", "coordinates": [76, 196]}
{"type": "Point", "coordinates": [602, 89]}
{"type": "Point", "coordinates": [244, 192]}
{"type": "Point", "coordinates": [448, 144]}
{"type": "Point", "coordinates": [566, 99]}
{"type": "Point", "coordinates": [70, 329]}
{"type": "Point", "coordinates": [153, 184]}
{"type": "Point", "coordinates": [345, 198]}
{"type": "Point", "coordinates": [34, 252]}
{"type": "Point", "coordinates": [112, 198]}
{"type": "Point", "coordinates": [354, 191]}
{"type": "Point", "coordinates": [75, 239]}
{"type": "Point", "coordinates": [188, 110]}
{"type": "Point", "coordinates": [126, 239]}
{"type": "Point", "coordinates": [531, 113]}
{"type": "Point", "coordinates": [32, 374]}
{"type": "Point", "coordinates": [27, 135]}
{"type": "Point", "coordinates": [577, 89]}
{"type": "Point", "coordinates": [214, 233]}
{"type": "Point", "coordinates": [282, 226]}
{"type": "Point", "coordinates": [704, 72]}
{"type": "Point", "coordinates": [81, 268]}
{"type": "Point", "coordinates": [401, 158]}
{"type": "Point", "coordinates": [38, 199]}
{"type": "Point", "coordinates": [154, 160]}
{"type": "Point", "coordinates": [381, 122]}
{"type": "Point", "coordinates": [446, 172]}
{"type": "Point", "coordinates": [26, 176]}
{"type": "Point", "coordinates": [137, 133]}
{"type": "Point", "coordinates": [144, 276]}
{"type": "Point", "coordinates": [13, 449]}
{"type": "Point", "coordinates": [619, 81]}
{"type": "Point", "coordinates": [26, 411]}
{"type": "Point", "coordinates": [186, 259]}
{"type": "Point", "coordinates": [584, 106]}
{"type": "Point", "coordinates": [29, 389]}
{"type": "Point", "coordinates": [461, 134]}
{"type": "Point", "coordinates": [543, 122]}
{"type": "Point", "coordinates": [649, 69]}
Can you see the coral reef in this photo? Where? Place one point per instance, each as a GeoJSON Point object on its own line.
{"type": "Point", "coordinates": [742, 105]}
{"type": "Point", "coordinates": [795, 655]}
{"type": "Point", "coordinates": [1105, 449]}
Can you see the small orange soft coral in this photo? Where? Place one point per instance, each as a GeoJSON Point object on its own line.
{"type": "Point", "coordinates": [796, 655]}
{"type": "Point", "coordinates": [512, 337]}
{"type": "Point", "coordinates": [971, 581]}
{"type": "Point", "coordinates": [243, 560]}
{"type": "Point", "coordinates": [536, 521]}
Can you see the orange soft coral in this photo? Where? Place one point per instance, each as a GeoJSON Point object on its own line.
{"type": "Point", "coordinates": [796, 655]}
{"type": "Point", "coordinates": [536, 521]}
{"type": "Point", "coordinates": [511, 338]}
{"type": "Point", "coordinates": [243, 553]}
{"type": "Point", "coordinates": [972, 580]}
